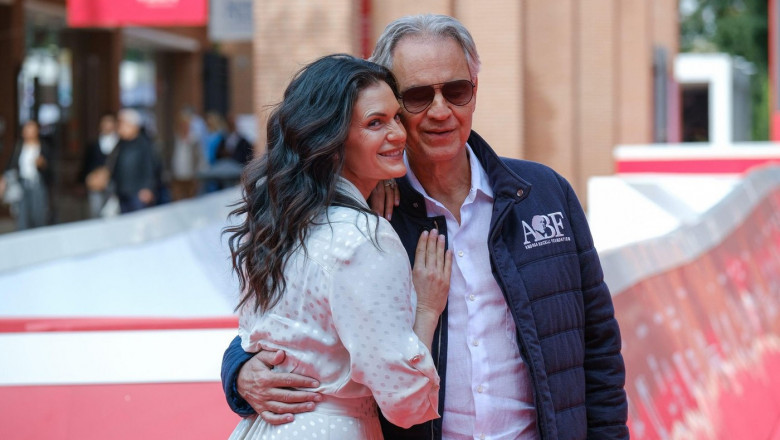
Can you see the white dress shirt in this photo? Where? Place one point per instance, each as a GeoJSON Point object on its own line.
{"type": "Point", "coordinates": [28, 169]}
{"type": "Point", "coordinates": [488, 394]}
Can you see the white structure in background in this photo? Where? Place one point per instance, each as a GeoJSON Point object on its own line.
{"type": "Point", "coordinates": [167, 262]}
{"type": "Point", "coordinates": [660, 188]}
{"type": "Point", "coordinates": [627, 210]}
{"type": "Point", "coordinates": [231, 20]}
{"type": "Point", "coordinates": [727, 83]}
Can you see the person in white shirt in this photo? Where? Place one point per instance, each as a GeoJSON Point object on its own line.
{"type": "Point", "coordinates": [30, 167]}
{"type": "Point", "coordinates": [324, 276]}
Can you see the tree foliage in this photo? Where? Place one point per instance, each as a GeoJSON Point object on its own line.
{"type": "Point", "coordinates": [736, 27]}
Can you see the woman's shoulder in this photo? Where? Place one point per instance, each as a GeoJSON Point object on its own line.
{"type": "Point", "coordinates": [346, 231]}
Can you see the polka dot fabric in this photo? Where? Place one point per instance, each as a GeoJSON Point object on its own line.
{"type": "Point", "coordinates": [346, 319]}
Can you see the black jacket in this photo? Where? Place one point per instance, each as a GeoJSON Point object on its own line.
{"type": "Point", "coordinates": [135, 167]}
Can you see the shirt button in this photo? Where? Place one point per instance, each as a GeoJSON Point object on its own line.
{"type": "Point", "coordinates": [472, 297]}
{"type": "Point", "coordinates": [480, 389]}
{"type": "Point", "coordinates": [460, 253]}
{"type": "Point", "coordinates": [482, 436]}
{"type": "Point", "coordinates": [519, 193]}
{"type": "Point", "coordinates": [475, 343]}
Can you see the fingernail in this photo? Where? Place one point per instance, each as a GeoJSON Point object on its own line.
{"type": "Point", "coordinates": [309, 405]}
{"type": "Point", "coordinates": [318, 398]}
{"type": "Point", "coordinates": [289, 418]}
{"type": "Point", "coordinates": [441, 237]}
{"type": "Point", "coordinates": [314, 384]}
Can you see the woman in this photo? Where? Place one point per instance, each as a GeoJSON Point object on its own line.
{"type": "Point", "coordinates": [324, 277]}
{"type": "Point", "coordinates": [30, 166]}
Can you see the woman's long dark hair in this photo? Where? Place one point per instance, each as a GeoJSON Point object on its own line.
{"type": "Point", "coordinates": [285, 189]}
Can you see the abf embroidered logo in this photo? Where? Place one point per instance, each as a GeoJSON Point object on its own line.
{"type": "Point", "coordinates": [544, 230]}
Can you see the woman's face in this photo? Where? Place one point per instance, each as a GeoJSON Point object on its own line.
{"type": "Point", "coordinates": [375, 144]}
{"type": "Point", "coordinates": [30, 131]}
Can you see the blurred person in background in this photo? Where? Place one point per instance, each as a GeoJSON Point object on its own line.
{"type": "Point", "coordinates": [94, 172]}
{"type": "Point", "coordinates": [234, 145]}
{"type": "Point", "coordinates": [214, 176]}
{"type": "Point", "coordinates": [186, 159]}
{"type": "Point", "coordinates": [29, 176]}
{"type": "Point", "coordinates": [134, 173]}
{"type": "Point", "coordinates": [216, 134]}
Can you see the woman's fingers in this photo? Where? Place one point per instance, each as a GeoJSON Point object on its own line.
{"type": "Point", "coordinates": [384, 197]}
{"type": "Point", "coordinates": [440, 253]}
{"type": "Point", "coordinates": [430, 250]}
{"type": "Point", "coordinates": [390, 198]}
{"type": "Point", "coordinates": [419, 253]}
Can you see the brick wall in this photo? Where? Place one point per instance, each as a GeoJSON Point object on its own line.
{"type": "Point", "coordinates": [562, 82]}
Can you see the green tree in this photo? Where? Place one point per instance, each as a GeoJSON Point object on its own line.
{"type": "Point", "coordinates": [736, 27]}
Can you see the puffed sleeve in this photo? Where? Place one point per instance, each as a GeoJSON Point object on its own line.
{"type": "Point", "coordinates": [371, 301]}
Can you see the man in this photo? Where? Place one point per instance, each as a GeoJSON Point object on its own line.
{"type": "Point", "coordinates": [94, 171]}
{"type": "Point", "coordinates": [528, 347]}
{"type": "Point", "coordinates": [134, 172]}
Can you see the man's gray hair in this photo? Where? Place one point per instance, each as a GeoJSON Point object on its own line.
{"type": "Point", "coordinates": [425, 25]}
{"type": "Point", "coordinates": [131, 116]}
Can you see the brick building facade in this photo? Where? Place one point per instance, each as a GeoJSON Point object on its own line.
{"type": "Point", "coordinates": [562, 81]}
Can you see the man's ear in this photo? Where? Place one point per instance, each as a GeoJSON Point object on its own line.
{"type": "Point", "coordinates": [476, 87]}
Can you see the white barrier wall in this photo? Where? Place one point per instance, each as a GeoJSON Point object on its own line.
{"type": "Point", "coordinates": [167, 261]}
{"type": "Point", "coordinates": [116, 328]}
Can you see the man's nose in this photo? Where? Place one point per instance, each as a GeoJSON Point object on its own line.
{"type": "Point", "coordinates": [440, 107]}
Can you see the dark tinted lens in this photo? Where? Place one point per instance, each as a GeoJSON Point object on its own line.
{"type": "Point", "coordinates": [458, 92]}
{"type": "Point", "coordinates": [417, 99]}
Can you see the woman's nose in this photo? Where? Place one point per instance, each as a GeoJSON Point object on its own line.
{"type": "Point", "coordinates": [397, 132]}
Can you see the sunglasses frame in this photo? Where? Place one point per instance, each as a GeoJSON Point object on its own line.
{"type": "Point", "coordinates": [441, 88]}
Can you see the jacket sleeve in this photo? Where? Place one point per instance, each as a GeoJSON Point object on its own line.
{"type": "Point", "coordinates": [605, 373]}
{"type": "Point", "coordinates": [232, 361]}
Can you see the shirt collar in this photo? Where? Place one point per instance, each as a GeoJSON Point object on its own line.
{"type": "Point", "coordinates": [346, 187]}
{"type": "Point", "coordinates": [479, 178]}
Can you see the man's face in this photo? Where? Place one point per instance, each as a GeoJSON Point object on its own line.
{"type": "Point", "coordinates": [438, 133]}
{"type": "Point", "coordinates": [127, 130]}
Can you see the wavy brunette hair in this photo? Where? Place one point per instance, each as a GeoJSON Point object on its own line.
{"type": "Point", "coordinates": [295, 181]}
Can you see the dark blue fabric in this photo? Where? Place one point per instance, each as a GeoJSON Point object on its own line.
{"type": "Point", "coordinates": [543, 259]}
{"type": "Point", "coordinates": [232, 361]}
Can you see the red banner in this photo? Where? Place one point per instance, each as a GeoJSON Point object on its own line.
{"type": "Point", "coordinates": [113, 13]}
{"type": "Point", "coordinates": [701, 341]}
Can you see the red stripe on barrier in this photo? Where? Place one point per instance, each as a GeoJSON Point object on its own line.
{"type": "Point", "coordinates": [38, 324]}
{"type": "Point", "coordinates": [692, 166]}
{"type": "Point", "coordinates": [190, 411]}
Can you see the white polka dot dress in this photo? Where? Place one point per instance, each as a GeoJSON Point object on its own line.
{"type": "Point", "coordinates": [346, 319]}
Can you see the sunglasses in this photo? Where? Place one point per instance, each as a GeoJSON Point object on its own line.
{"type": "Point", "coordinates": [417, 99]}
